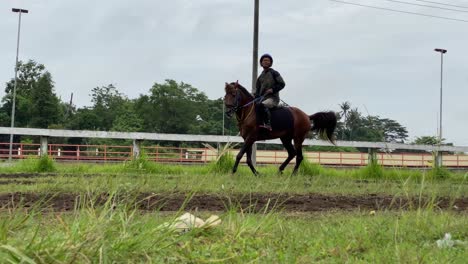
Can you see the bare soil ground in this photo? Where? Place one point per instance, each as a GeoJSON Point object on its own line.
{"type": "Point", "coordinates": [254, 202]}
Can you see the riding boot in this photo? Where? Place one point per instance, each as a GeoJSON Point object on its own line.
{"type": "Point", "coordinates": [267, 120]}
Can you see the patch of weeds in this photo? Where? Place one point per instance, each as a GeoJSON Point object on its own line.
{"type": "Point", "coordinates": [310, 169]}
{"type": "Point", "coordinates": [439, 173]}
{"type": "Point", "coordinates": [372, 171]}
{"type": "Point", "coordinates": [45, 164]}
{"type": "Point", "coordinates": [223, 164]}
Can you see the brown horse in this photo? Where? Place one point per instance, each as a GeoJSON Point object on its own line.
{"type": "Point", "coordinates": [289, 124]}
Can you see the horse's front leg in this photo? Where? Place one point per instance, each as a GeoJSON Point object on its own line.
{"type": "Point", "coordinates": [249, 161]}
{"type": "Point", "coordinates": [239, 156]}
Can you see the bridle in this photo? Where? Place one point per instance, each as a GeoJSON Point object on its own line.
{"type": "Point", "coordinates": [231, 109]}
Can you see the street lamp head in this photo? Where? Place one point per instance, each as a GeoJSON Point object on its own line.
{"type": "Point", "coordinates": [441, 50]}
{"type": "Point", "coordinates": [19, 10]}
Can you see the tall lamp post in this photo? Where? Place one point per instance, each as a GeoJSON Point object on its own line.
{"type": "Point", "coordinates": [442, 52]}
{"type": "Point", "coordinates": [19, 11]}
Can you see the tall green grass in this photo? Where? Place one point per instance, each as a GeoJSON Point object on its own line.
{"type": "Point", "coordinates": [31, 165]}
{"type": "Point", "coordinates": [151, 177]}
{"type": "Point", "coordinates": [113, 232]}
{"type": "Point", "coordinates": [223, 164]}
{"type": "Point", "coordinates": [310, 169]}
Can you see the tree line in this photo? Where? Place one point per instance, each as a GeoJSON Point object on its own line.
{"type": "Point", "coordinates": [168, 107]}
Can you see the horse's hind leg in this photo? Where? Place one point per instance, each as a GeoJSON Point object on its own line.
{"type": "Point", "coordinates": [291, 152]}
{"type": "Point", "coordinates": [249, 160]}
{"type": "Point", "coordinates": [299, 156]}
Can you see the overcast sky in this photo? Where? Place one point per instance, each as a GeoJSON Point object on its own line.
{"type": "Point", "coordinates": [328, 53]}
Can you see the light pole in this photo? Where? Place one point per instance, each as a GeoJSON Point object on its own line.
{"type": "Point", "coordinates": [442, 52]}
{"type": "Point", "coordinates": [19, 11]}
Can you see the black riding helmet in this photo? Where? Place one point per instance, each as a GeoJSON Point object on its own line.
{"type": "Point", "coordinates": [266, 55]}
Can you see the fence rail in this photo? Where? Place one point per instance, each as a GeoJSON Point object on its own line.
{"type": "Point", "coordinates": [212, 138]}
{"type": "Point", "coordinates": [118, 153]}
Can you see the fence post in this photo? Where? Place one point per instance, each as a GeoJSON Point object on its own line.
{"type": "Point", "coordinates": [372, 157]}
{"type": "Point", "coordinates": [44, 147]}
{"type": "Point", "coordinates": [105, 153]}
{"type": "Point", "coordinates": [136, 148]}
{"type": "Point", "coordinates": [438, 159]}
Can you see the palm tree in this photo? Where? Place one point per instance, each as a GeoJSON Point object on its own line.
{"type": "Point", "coordinates": [344, 113]}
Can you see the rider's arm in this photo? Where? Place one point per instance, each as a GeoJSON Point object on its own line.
{"type": "Point", "coordinates": [279, 82]}
{"type": "Point", "coordinates": [257, 88]}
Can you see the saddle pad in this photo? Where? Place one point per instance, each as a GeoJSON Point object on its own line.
{"type": "Point", "coordinates": [281, 118]}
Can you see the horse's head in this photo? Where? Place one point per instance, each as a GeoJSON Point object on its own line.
{"type": "Point", "coordinates": [231, 98]}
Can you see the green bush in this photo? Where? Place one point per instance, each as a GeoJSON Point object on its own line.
{"type": "Point", "coordinates": [372, 170]}
{"type": "Point", "coordinates": [45, 164]}
{"type": "Point", "coordinates": [223, 164]}
{"type": "Point", "coordinates": [310, 169]}
{"type": "Point", "coordinates": [439, 173]}
{"type": "Point", "coordinates": [139, 163]}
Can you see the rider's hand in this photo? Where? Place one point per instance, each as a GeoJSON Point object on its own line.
{"type": "Point", "coordinates": [269, 91]}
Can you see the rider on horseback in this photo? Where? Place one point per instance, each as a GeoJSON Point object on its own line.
{"type": "Point", "coordinates": [269, 83]}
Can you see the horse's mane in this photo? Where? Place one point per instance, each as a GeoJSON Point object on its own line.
{"type": "Point", "coordinates": [244, 90]}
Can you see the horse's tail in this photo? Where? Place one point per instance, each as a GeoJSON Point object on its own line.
{"type": "Point", "coordinates": [324, 123]}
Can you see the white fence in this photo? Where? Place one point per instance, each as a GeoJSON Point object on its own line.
{"type": "Point", "coordinates": [138, 136]}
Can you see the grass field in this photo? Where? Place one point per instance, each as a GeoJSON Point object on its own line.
{"type": "Point", "coordinates": [110, 232]}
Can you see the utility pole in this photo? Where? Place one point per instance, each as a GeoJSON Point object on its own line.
{"type": "Point", "coordinates": [255, 66]}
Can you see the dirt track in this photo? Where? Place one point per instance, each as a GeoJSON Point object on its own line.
{"type": "Point", "coordinates": [253, 202]}
{"type": "Point", "coordinates": [211, 202]}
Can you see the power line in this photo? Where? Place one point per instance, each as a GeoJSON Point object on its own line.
{"type": "Point", "coordinates": [400, 11]}
{"type": "Point", "coordinates": [439, 3]}
{"type": "Point", "coordinates": [430, 6]}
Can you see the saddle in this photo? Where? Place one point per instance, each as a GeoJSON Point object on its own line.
{"type": "Point", "coordinates": [281, 117]}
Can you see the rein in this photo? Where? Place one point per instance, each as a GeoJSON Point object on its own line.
{"type": "Point", "coordinates": [242, 118]}
{"type": "Point", "coordinates": [258, 99]}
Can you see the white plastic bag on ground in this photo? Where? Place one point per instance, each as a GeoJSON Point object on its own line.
{"type": "Point", "coordinates": [447, 241]}
{"type": "Point", "coordinates": [188, 221]}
